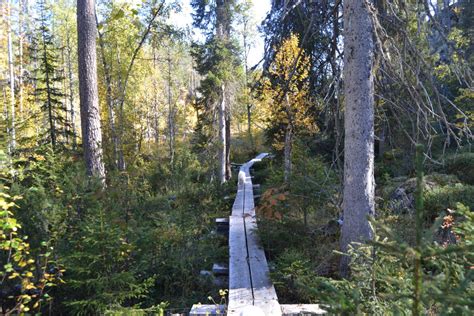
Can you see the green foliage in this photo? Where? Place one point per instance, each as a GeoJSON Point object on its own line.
{"type": "Point", "coordinates": [382, 275]}
{"type": "Point", "coordinates": [462, 165]}
{"type": "Point", "coordinates": [293, 273]}
{"type": "Point", "coordinates": [26, 275]}
{"type": "Point", "coordinates": [439, 199]}
{"type": "Point", "coordinates": [48, 78]}
{"type": "Point", "coordinates": [125, 250]}
{"type": "Point", "coordinates": [99, 269]}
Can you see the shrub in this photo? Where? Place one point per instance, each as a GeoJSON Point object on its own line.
{"type": "Point", "coordinates": [462, 165]}
{"type": "Point", "coordinates": [439, 199]}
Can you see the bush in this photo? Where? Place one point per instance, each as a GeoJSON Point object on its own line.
{"type": "Point", "coordinates": [293, 273]}
{"type": "Point", "coordinates": [439, 199]}
{"type": "Point", "coordinates": [462, 165]}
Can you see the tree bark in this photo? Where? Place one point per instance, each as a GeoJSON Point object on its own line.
{"type": "Point", "coordinates": [223, 22]}
{"type": "Point", "coordinates": [222, 137]}
{"type": "Point", "coordinates": [20, 54]}
{"type": "Point", "coordinates": [88, 90]}
{"type": "Point", "coordinates": [170, 111]}
{"type": "Point", "coordinates": [156, 121]}
{"type": "Point", "coordinates": [287, 152]}
{"type": "Point", "coordinates": [71, 91]}
{"type": "Point", "coordinates": [12, 79]}
{"type": "Point", "coordinates": [359, 183]}
{"type": "Point", "coordinates": [228, 168]}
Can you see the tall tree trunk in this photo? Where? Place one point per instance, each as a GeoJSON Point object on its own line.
{"type": "Point", "coordinates": [249, 125]}
{"type": "Point", "coordinates": [88, 90]}
{"type": "Point", "coordinates": [12, 79]}
{"type": "Point", "coordinates": [223, 21]}
{"type": "Point", "coordinates": [156, 122]}
{"type": "Point", "coordinates": [247, 95]}
{"type": "Point", "coordinates": [20, 53]}
{"type": "Point", "coordinates": [71, 91]}
{"type": "Point", "coordinates": [222, 137]}
{"type": "Point", "coordinates": [228, 168]}
{"type": "Point", "coordinates": [67, 125]}
{"type": "Point", "coordinates": [170, 112]}
{"type": "Point", "coordinates": [359, 126]}
{"type": "Point", "coordinates": [109, 99]}
{"type": "Point", "coordinates": [287, 152]}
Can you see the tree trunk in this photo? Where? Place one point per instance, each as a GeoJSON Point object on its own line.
{"type": "Point", "coordinates": [12, 79]}
{"type": "Point", "coordinates": [170, 112]}
{"type": "Point", "coordinates": [71, 92]}
{"type": "Point", "coordinates": [156, 121]}
{"type": "Point", "coordinates": [223, 23]}
{"type": "Point", "coordinates": [20, 53]}
{"type": "Point", "coordinates": [228, 167]}
{"type": "Point", "coordinates": [287, 152]}
{"type": "Point", "coordinates": [247, 94]}
{"type": "Point", "coordinates": [109, 100]}
{"type": "Point", "coordinates": [359, 126]}
{"type": "Point", "coordinates": [249, 125]}
{"type": "Point", "coordinates": [222, 138]}
{"type": "Point", "coordinates": [88, 90]}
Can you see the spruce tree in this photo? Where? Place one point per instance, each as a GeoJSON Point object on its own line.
{"type": "Point", "coordinates": [218, 62]}
{"type": "Point", "coordinates": [48, 80]}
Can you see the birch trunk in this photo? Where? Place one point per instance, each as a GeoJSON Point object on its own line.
{"type": "Point", "coordinates": [109, 99]}
{"type": "Point", "coordinates": [359, 126]}
{"type": "Point", "coordinates": [170, 112]}
{"type": "Point", "coordinates": [71, 91]}
{"type": "Point", "coordinates": [11, 79]}
{"type": "Point", "coordinates": [88, 90]}
{"type": "Point", "coordinates": [222, 137]}
{"type": "Point", "coordinates": [155, 101]}
{"type": "Point", "coordinates": [287, 152]}
{"type": "Point", "coordinates": [20, 53]}
{"type": "Point", "coordinates": [228, 169]}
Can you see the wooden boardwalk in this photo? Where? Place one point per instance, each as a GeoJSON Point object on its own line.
{"type": "Point", "coordinates": [251, 292]}
{"type": "Point", "coordinates": [249, 281]}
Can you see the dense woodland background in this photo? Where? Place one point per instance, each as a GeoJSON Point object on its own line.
{"type": "Point", "coordinates": [121, 219]}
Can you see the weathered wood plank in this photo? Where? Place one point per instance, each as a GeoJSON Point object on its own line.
{"type": "Point", "coordinates": [264, 293]}
{"type": "Point", "coordinates": [207, 310]}
{"type": "Point", "coordinates": [240, 289]}
{"type": "Point", "coordinates": [251, 287]}
{"type": "Point", "coordinates": [301, 309]}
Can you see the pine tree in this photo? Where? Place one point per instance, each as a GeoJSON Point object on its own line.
{"type": "Point", "coordinates": [88, 90]}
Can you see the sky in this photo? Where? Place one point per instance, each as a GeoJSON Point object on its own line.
{"type": "Point", "coordinates": [260, 9]}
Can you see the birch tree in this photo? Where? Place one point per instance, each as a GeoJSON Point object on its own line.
{"type": "Point", "coordinates": [286, 91]}
{"type": "Point", "coordinates": [359, 184]}
{"type": "Point", "coordinates": [11, 78]}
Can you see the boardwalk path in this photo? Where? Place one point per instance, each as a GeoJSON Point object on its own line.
{"type": "Point", "coordinates": [251, 292]}
{"type": "Point", "coordinates": [249, 281]}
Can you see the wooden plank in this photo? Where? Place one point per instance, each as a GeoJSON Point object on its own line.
{"type": "Point", "coordinates": [264, 292]}
{"type": "Point", "coordinates": [301, 309]}
{"type": "Point", "coordinates": [240, 289]}
{"type": "Point", "coordinates": [220, 269]}
{"type": "Point", "coordinates": [249, 280]}
{"type": "Point", "coordinates": [207, 310]}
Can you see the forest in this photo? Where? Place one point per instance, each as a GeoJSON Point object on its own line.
{"type": "Point", "coordinates": [125, 128]}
